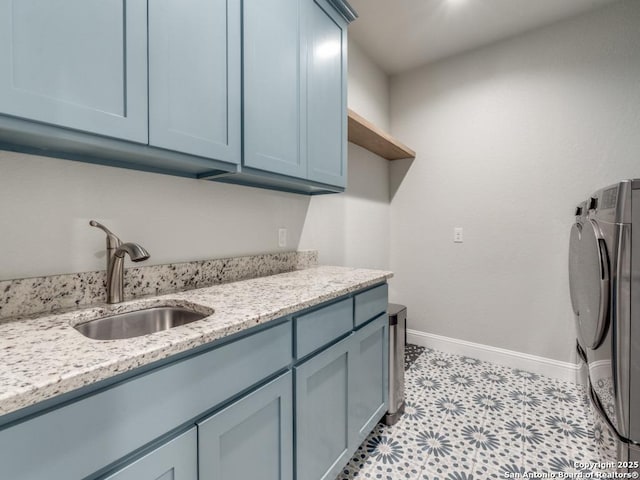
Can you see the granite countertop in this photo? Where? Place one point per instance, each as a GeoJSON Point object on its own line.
{"type": "Point", "coordinates": [43, 357]}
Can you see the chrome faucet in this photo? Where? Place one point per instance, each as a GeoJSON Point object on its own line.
{"type": "Point", "coordinates": [115, 262]}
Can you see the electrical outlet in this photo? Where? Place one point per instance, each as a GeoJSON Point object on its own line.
{"type": "Point", "coordinates": [457, 235]}
{"type": "Point", "coordinates": [282, 237]}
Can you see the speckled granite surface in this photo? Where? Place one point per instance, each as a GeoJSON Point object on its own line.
{"type": "Point", "coordinates": [59, 292]}
{"type": "Point", "coordinates": [44, 357]}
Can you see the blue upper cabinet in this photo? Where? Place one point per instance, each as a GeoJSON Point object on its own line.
{"type": "Point", "coordinates": [271, 59]}
{"type": "Point", "coordinates": [80, 64]}
{"type": "Point", "coordinates": [326, 94]}
{"type": "Point", "coordinates": [294, 85]}
{"type": "Point", "coordinates": [241, 91]}
{"type": "Point", "coordinates": [194, 77]}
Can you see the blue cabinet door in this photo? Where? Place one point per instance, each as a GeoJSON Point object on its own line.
{"type": "Point", "coordinates": [252, 438]}
{"type": "Point", "coordinates": [194, 77]}
{"type": "Point", "coordinates": [325, 39]}
{"type": "Point", "coordinates": [369, 400]}
{"type": "Point", "coordinates": [272, 107]}
{"type": "Point", "coordinates": [175, 460]}
{"type": "Point", "coordinates": [295, 104]}
{"type": "Point", "coordinates": [323, 389]}
{"type": "Point", "coordinates": [80, 64]}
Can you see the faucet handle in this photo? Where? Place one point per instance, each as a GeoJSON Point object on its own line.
{"type": "Point", "coordinates": [113, 241]}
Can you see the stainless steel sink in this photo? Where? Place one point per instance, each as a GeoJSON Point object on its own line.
{"type": "Point", "coordinates": [137, 323]}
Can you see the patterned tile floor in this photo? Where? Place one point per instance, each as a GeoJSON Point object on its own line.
{"type": "Point", "coordinates": [411, 354]}
{"type": "Point", "coordinates": [472, 420]}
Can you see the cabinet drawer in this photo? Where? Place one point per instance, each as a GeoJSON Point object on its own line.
{"type": "Point", "coordinates": [82, 437]}
{"type": "Point", "coordinates": [318, 328]}
{"type": "Point", "coordinates": [370, 304]}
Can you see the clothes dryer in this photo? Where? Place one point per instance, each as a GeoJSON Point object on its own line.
{"type": "Point", "coordinates": [604, 274]}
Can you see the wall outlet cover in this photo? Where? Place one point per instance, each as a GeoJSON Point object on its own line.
{"type": "Point", "coordinates": [282, 237]}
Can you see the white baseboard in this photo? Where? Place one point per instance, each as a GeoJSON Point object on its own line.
{"type": "Point", "coordinates": [569, 372]}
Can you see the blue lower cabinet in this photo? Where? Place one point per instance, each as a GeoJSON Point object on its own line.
{"type": "Point", "coordinates": [341, 394]}
{"type": "Point", "coordinates": [369, 399]}
{"type": "Point", "coordinates": [323, 386]}
{"type": "Point", "coordinates": [252, 438]}
{"type": "Point", "coordinates": [84, 436]}
{"type": "Point", "coordinates": [334, 398]}
{"type": "Point", "coordinates": [175, 460]}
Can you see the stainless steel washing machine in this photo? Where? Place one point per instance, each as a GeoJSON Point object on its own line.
{"type": "Point", "coordinates": [604, 274]}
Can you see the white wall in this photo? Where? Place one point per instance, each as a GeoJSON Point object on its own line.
{"type": "Point", "coordinates": [509, 139]}
{"type": "Point", "coordinates": [46, 204]}
{"type": "Point", "coordinates": [352, 229]}
{"type": "Point", "coordinates": [368, 87]}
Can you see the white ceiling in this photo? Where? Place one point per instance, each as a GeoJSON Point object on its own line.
{"type": "Point", "coordinates": [402, 34]}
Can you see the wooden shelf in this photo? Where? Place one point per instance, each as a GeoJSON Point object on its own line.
{"type": "Point", "coordinates": [367, 135]}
